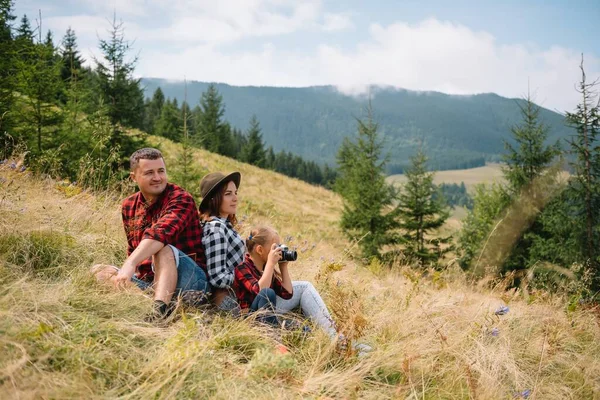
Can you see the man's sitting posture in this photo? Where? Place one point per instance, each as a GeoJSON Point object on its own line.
{"type": "Point", "coordinates": [164, 236]}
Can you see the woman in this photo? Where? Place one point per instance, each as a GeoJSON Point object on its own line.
{"type": "Point", "coordinates": [258, 286]}
{"type": "Point", "coordinates": [223, 246]}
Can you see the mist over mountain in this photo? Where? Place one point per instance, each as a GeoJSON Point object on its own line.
{"type": "Point", "coordinates": [457, 131]}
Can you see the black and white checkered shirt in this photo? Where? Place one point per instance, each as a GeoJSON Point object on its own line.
{"type": "Point", "coordinates": [224, 249]}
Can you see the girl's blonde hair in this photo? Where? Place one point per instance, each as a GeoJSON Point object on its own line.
{"type": "Point", "coordinates": [259, 235]}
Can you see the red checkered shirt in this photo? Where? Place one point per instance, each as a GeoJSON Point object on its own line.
{"type": "Point", "coordinates": [246, 285]}
{"type": "Point", "coordinates": [171, 219]}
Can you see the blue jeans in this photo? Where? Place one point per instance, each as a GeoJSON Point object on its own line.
{"type": "Point", "coordinates": [264, 302]}
{"type": "Point", "coordinates": [189, 275]}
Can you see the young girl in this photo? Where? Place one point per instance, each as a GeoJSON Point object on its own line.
{"type": "Point", "coordinates": [257, 285]}
{"type": "Point", "coordinates": [223, 246]}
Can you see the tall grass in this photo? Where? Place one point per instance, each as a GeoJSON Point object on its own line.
{"type": "Point", "coordinates": [437, 336]}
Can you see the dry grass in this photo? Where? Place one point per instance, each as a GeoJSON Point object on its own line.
{"type": "Point", "coordinates": [489, 173]}
{"type": "Point", "coordinates": [63, 336]}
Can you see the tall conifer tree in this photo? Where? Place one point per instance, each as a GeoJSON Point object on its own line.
{"type": "Point", "coordinates": [367, 216]}
{"type": "Point", "coordinates": [254, 150]}
{"type": "Point", "coordinates": [39, 82]}
{"type": "Point", "coordinates": [530, 156]}
{"type": "Point", "coordinates": [186, 172]}
{"type": "Point", "coordinates": [585, 184]}
{"type": "Point", "coordinates": [7, 74]}
{"type": "Point", "coordinates": [154, 110]}
{"type": "Point", "coordinates": [119, 92]}
{"type": "Point", "coordinates": [212, 132]}
{"type": "Point", "coordinates": [72, 61]}
{"type": "Point", "coordinates": [421, 214]}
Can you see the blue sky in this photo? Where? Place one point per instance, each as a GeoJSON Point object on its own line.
{"type": "Point", "coordinates": [459, 47]}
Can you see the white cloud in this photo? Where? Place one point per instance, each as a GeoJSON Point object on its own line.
{"type": "Point", "coordinates": [123, 8]}
{"type": "Point", "coordinates": [431, 55]}
{"type": "Point", "coordinates": [205, 40]}
{"type": "Point", "coordinates": [336, 22]}
{"type": "Point", "coordinates": [226, 21]}
{"type": "Point", "coordinates": [89, 29]}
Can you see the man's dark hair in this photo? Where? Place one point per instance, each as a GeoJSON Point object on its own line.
{"type": "Point", "coordinates": [147, 153]}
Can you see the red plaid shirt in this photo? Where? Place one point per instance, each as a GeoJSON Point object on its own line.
{"type": "Point", "coordinates": [246, 286]}
{"type": "Point", "coordinates": [171, 219]}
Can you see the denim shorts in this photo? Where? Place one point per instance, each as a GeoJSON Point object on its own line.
{"type": "Point", "coordinates": [189, 275]}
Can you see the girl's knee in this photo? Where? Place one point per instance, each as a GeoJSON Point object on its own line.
{"type": "Point", "coordinates": [305, 285]}
{"type": "Point", "coordinates": [269, 294]}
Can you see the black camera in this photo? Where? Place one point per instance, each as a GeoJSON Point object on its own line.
{"type": "Point", "coordinates": [287, 254]}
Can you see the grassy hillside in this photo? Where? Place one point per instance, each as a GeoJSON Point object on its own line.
{"type": "Point", "coordinates": [64, 336]}
{"type": "Point", "coordinates": [312, 122]}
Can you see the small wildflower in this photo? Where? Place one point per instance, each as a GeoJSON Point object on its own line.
{"type": "Point", "coordinates": [495, 332]}
{"type": "Point", "coordinates": [2, 162]}
{"type": "Point", "coordinates": [13, 165]}
{"type": "Point", "coordinates": [322, 258]}
{"type": "Point", "coordinates": [502, 310]}
{"type": "Point", "coordinates": [23, 168]}
{"type": "Point", "coordinates": [522, 395]}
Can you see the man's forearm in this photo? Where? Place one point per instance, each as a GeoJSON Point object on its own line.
{"type": "Point", "coordinates": [146, 249]}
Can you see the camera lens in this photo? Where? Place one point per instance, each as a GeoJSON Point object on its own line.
{"type": "Point", "coordinates": [289, 255]}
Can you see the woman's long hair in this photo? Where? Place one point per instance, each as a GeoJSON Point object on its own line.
{"type": "Point", "coordinates": [214, 205]}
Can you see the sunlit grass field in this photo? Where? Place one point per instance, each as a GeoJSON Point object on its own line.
{"type": "Point", "coordinates": [434, 336]}
{"type": "Point", "coordinates": [489, 173]}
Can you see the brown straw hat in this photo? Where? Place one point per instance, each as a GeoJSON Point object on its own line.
{"type": "Point", "coordinates": [210, 183]}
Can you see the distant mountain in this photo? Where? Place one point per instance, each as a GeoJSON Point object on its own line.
{"type": "Point", "coordinates": [456, 131]}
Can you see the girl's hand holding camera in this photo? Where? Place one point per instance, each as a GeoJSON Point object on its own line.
{"type": "Point", "coordinates": [274, 255]}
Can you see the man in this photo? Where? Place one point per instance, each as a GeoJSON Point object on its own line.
{"type": "Point", "coordinates": [164, 236]}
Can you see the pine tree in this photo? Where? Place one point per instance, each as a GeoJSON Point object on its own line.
{"type": "Point", "coordinates": [186, 172]}
{"type": "Point", "coordinates": [239, 142]}
{"type": "Point", "coordinates": [24, 34]}
{"type": "Point", "coordinates": [421, 214]}
{"type": "Point", "coordinates": [76, 133]}
{"type": "Point", "coordinates": [531, 181]}
{"type": "Point", "coordinates": [254, 151]}
{"type": "Point", "coordinates": [531, 157]}
{"type": "Point", "coordinates": [72, 61]}
{"type": "Point", "coordinates": [154, 110]}
{"type": "Point", "coordinates": [367, 216]}
{"type": "Point", "coordinates": [120, 92]}
{"type": "Point", "coordinates": [7, 75]}
{"type": "Point", "coordinates": [489, 201]}
{"type": "Point", "coordinates": [170, 122]}
{"type": "Point", "coordinates": [585, 183]}
{"type": "Point", "coordinates": [270, 158]}
{"type": "Point", "coordinates": [213, 133]}
{"type": "Point", "coordinates": [39, 82]}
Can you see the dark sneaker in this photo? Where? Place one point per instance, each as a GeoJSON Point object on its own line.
{"type": "Point", "coordinates": [160, 311]}
{"type": "Point", "coordinates": [230, 306]}
{"type": "Point", "coordinates": [194, 298]}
